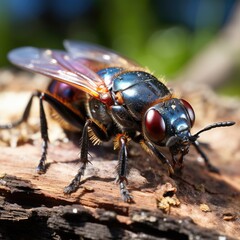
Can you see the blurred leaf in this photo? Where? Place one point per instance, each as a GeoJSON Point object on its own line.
{"type": "Point", "coordinates": [5, 35]}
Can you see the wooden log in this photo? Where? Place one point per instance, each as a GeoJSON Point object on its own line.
{"type": "Point", "coordinates": [194, 204]}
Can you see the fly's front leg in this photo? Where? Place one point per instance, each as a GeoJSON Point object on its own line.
{"type": "Point", "coordinates": [159, 155]}
{"type": "Point", "coordinates": [210, 167]}
{"type": "Point", "coordinates": [122, 168]}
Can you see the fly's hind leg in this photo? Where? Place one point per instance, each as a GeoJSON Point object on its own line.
{"type": "Point", "coordinates": [44, 134]}
{"type": "Point", "coordinates": [43, 125]}
{"type": "Point", "coordinates": [65, 111]}
{"type": "Point", "coordinates": [68, 114]}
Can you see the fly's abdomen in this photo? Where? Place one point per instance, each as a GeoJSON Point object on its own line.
{"type": "Point", "coordinates": [65, 91]}
{"type": "Point", "coordinates": [72, 98]}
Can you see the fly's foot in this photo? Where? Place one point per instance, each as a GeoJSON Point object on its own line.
{"type": "Point", "coordinates": [72, 187]}
{"type": "Point", "coordinates": [41, 168]}
{"type": "Point", "coordinates": [126, 196]}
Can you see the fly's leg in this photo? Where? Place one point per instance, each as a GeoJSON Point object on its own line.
{"type": "Point", "coordinates": [43, 124]}
{"type": "Point", "coordinates": [44, 134]}
{"type": "Point", "coordinates": [84, 143]}
{"type": "Point", "coordinates": [210, 167]}
{"type": "Point", "coordinates": [159, 155]}
{"type": "Point", "coordinates": [100, 132]}
{"type": "Point", "coordinates": [122, 169]}
{"type": "Point", "coordinates": [65, 111]}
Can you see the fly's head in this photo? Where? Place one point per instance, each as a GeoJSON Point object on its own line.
{"type": "Point", "coordinates": [168, 124]}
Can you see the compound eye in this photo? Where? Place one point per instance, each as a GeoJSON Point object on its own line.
{"type": "Point", "coordinates": [155, 126]}
{"type": "Point", "coordinates": [190, 111]}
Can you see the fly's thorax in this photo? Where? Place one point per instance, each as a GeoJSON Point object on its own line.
{"type": "Point", "coordinates": [137, 90]}
{"type": "Point", "coordinates": [108, 74]}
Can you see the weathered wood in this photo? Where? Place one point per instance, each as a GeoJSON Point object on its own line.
{"type": "Point", "coordinates": [194, 204]}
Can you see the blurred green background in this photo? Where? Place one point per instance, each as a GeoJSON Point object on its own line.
{"type": "Point", "coordinates": [163, 35]}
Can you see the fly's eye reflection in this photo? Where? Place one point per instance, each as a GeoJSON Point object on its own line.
{"type": "Point", "coordinates": [106, 96]}
{"type": "Point", "coordinates": [155, 126]}
{"type": "Point", "coordinates": [189, 110]}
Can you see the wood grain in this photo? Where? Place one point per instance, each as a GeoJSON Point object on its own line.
{"type": "Point", "coordinates": [194, 204]}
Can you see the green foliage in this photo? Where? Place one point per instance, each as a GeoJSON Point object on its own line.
{"type": "Point", "coordinates": [132, 28]}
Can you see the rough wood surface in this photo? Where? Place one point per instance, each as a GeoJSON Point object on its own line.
{"type": "Point", "coordinates": [194, 204]}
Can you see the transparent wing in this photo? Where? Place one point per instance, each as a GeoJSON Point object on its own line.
{"type": "Point", "coordinates": [59, 65]}
{"type": "Point", "coordinates": [91, 51]}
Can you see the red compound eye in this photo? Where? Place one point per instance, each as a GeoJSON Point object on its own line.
{"type": "Point", "coordinates": [154, 125]}
{"type": "Point", "coordinates": [190, 111]}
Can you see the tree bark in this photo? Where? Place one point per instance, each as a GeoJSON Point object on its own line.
{"type": "Point", "coordinates": [193, 204]}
